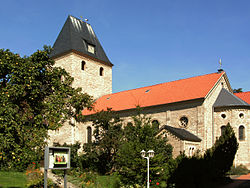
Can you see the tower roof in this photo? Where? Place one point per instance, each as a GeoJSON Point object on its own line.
{"type": "Point", "coordinates": [78, 36]}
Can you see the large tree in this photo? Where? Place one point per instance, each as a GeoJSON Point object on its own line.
{"type": "Point", "coordinates": [35, 96]}
{"type": "Point", "coordinates": [100, 154]}
{"type": "Point", "coordinates": [141, 135]}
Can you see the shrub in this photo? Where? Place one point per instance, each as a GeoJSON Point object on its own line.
{"type": "Point", "coordinates": [202, 171]}
{"type": "Point", "coordinates": [238, 170]}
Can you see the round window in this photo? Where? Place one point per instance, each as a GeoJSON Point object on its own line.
{"type": "Point", "coordinates": [241, 115]}
{"type": "Point", "coordinates": [223, 116]}
{"type": "Point", "coordinates": [184, 121]}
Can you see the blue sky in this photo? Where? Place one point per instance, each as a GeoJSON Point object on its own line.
{"type": "Point", "coordinates": [149, 42]}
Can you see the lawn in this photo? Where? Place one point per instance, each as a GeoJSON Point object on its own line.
{"type": "Point", "coordinates": [12, 179]}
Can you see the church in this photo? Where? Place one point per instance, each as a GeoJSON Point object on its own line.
{"type": "Point", "coordinates": [192, 112]}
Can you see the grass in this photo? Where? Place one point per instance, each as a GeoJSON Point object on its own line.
{"type": "Point", "coordinates": [12, 179]}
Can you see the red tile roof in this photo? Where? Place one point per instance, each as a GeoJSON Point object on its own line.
{"type": "Point", "coordinates": [169, 92]}
{"type": "Point", "coordinates": [245, 96]}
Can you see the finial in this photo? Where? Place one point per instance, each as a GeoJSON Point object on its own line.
{"type": "Point", "coordinates": [86, 19]}
{"type": "Point", "coordinates": [220, 69]}
{"type": "Point", "coordinates": [220, 63]}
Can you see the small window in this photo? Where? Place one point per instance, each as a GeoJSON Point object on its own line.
{"type": "Point", "coordinates": [184, 121]}
{"type": "Point", "coordinates": [155, 124]}
{"type": "Point", "coordinates": [241, 132]}
{"type": "Point", "coordinates": [83, 65]}
{"type": "Point", "coordinates": [101, 71]}
{"type": "Point", "coordinates": [91, 48]}
{"type": "Point", "coordinates": [222, 130]}
{"type": "Point", "coordinates": [89, 134]}
{"type": "Point", "coordinates": [241, 115]}
{"type": "Point", "coordinates": [223, 116]}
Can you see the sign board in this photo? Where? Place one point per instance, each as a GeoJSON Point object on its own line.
{"type": "Point", "coordinates": [57, 158]}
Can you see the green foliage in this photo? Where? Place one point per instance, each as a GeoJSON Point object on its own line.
{"type": "Point", "coordinates": [35, 96]}
{"type": "Point", "coordinates": [238, 170]}
{"type": "Point", "coordinates": [239, 90]}
{"type": "Point", "coordinates": [100, 154]}
{"type": "Point", "coordinates": [207, 170]}
{"type": "Point", "coordinates": [131, 167]}
{"type": "Point", "coordinates": [221, 156]}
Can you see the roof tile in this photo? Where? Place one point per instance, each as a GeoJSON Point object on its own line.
{"type": "Point", "coordinates": [245, 96]}
{"type": "Point", "coordinates": [165, 93]}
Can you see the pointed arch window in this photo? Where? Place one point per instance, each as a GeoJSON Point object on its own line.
{"type": "Point", "coordinates": [101, 71]}
{"type": "Point", "coordinates": [222, 130]}
{"type": "Point", "coordinates": [83, 65]}
{"type": "Point", "coordinates": [89, 134]}
{"type": "Point", "coordinates": [241, 132]}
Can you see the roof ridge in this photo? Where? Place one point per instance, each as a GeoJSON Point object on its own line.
{"type": "Point", "coordinates": [162, 83]}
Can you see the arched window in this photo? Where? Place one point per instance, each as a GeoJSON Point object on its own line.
{"type": "Point", "coordinates": [101, 71]}
{"type": "Point", "coordinates": [155, 124]}
{"type": "Point", "coordinates": [89, 134]}
{"type": "Point", "coordinates": [222, 130]}
{"type": "Point", "coordinates": [241, 132]}
{"type": "Point", "coordinates": [83, 65]}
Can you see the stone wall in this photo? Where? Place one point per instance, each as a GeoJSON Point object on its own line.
{"type": "Point", "coordinates": [209, 137]}
{"type": "Point", "coordinates": [231, 115]}
{"type": "Point", "coordinates": [88, 79]}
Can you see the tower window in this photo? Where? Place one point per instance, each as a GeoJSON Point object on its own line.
{"type": "Point", "coordinates": [91, 48]}
{"type": "Point", "coordinates": [89, 134]}
{"type": "Point", "coordinates": [241, 132]}
{"type": "Point", "coordinates": [83, 65]}
{"type": "Point", "coordinates": [101, 71]}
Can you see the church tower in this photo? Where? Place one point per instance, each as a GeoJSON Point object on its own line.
{"type": "Point", "coordinates": [80, 53]}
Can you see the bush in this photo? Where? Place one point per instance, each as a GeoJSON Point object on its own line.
{"type": "Point", "coordinates": [238, 170]}
{"type": "Point", "coordinates": [35, 178]}
{"type": "Point", "coordinates": [209, 169]}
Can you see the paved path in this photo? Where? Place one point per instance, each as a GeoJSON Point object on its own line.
{"type": "Point", "coordinates": [239, 182]}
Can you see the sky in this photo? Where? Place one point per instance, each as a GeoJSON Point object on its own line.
{"type": "Point", "coordinates": [149, 42]}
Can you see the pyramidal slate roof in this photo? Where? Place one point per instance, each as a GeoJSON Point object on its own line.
{"type": "Point", "coordinates": [180, 133]}
{"type": "Point", "coordinates": [75, 36]}
{"type": "Point", "coordinates": [225, 98]}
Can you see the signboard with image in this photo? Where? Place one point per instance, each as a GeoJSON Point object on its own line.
{"type": "Point", "coordinates": [57, 158]}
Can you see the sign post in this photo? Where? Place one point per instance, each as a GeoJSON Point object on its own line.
{"type": "Point", "coordinates": [56, 158]}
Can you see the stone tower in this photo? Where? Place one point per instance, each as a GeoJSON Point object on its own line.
{"type": "Point", "coordinates": [80, 53]}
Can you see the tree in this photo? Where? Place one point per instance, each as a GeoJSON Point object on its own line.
{"type": "Point", "coordinates": [36, 96]}
{"type": "Point", "coordinates": [221, 156]}
{"type": "Point", "coordinates": [100, 154]}
{"type": "Point", "coordinates": [131, 167]}
{"type": "Point", "coordinates": [239, 90]}
{"type": "Point", "coordinates": [208, 169]}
